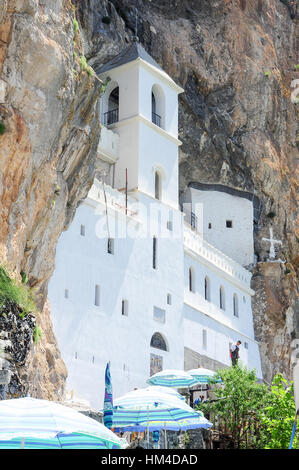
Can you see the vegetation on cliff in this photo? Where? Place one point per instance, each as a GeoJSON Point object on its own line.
{"type": "Point", "coordinates": [16, 292]}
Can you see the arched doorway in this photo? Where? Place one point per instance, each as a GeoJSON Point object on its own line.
{"type": "Point", "coordinates": [156, 361]}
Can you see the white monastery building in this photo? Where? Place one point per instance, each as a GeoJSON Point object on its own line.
{"type": "Point", "coordinates": [141, 280]}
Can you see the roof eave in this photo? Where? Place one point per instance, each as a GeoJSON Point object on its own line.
{"type": "Point", "coordinates": [162, 75]}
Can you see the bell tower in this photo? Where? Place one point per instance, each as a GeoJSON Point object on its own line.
{"type": "Point", "coordinates": [140, 104]}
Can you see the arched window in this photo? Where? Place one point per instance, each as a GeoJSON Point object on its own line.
{"type": "Point", "coordinates": [158, 106]}
{"type": "Point", "coordinates": [158, 186]}
{"type": "Point", "coordinates": [111, 115]}
{"type": "Point", "coordinates": [236, 305]}
{"type": "Point", "coordinates": [158, 342]}
{"type": "Point", "coordinates": [191, 280]}
{"type": "Point", "coordinates": [222, 298]}
{"type": "Point", "coordinates": [207, 289]}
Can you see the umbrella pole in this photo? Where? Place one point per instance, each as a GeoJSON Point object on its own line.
{"type": "Point", "coordinates": [23, 443]}
{"type": "Point", "coordinates": [147, 428]}
{"type": "Point", "coordinates": [165, 436]}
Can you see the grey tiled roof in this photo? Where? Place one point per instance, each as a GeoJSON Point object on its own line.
{"type": "Point", "coordinates": [133, 52]}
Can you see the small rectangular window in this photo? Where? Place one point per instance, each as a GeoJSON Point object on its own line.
{"type": "Point", "coordinates": [66, 293]}
{"type": "Point", "coordinates": [110, 246]}
{"type": "Point", "coordinates": [169, 225]}
{"type": "Point", "coordinates": [169, 299]}
{"type": "Point", "coordinates": [82, 230]}
{"type": "Point", "coordinates": [229, 223]}
{"type": "Point", "coordinates": [210, 225]}
{"type": "Point", "coordinates": [97, 295]}
{"type": "Point", "coordinates": [246, 345]}
{"type": "Point", "coordinates": [155, 252]}
{"type": "Point", "coordinates": [124, 307]}
{"type": "Point", "coordinates": [204, 339]}
{"type": "Point", "coordinates": [159, 314]}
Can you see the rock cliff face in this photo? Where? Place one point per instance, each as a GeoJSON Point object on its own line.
{"type": "Point", "coordinates": [50, 131]}
{"type": "Point", "coordinates": [236, 60]}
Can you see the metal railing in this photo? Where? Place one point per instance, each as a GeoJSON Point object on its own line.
{"type": "Point", "coordinates": [111, 117]}
{"type": "Point", "coordinates": [156, 119]}
{"type": "Point", "coordinates": [191, 219]}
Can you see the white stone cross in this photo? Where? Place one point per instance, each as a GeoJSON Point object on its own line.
{"type": "Point", "coordinates": [272, 244]}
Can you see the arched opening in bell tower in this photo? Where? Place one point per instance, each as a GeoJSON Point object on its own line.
{"type": "Point", "coordinates": [112, 114]}
{"type": "Point", "coordinates": [158, 106]}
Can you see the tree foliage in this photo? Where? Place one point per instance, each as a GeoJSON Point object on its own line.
{"type": "Point", "coordinates": [250, 414]}
{"type": "Point", "coordinates": [279, 415]}
{"type": "Point", "coordinates": [239, 404]}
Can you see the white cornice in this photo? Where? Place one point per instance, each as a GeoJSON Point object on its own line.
{"type": "Point", "coordinates": [221, 323]}
{"type": "Point", "coordinates": [140, 117]}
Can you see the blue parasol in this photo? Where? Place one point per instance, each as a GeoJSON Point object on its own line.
{"type": "Point", "coordinates": [108, 399]}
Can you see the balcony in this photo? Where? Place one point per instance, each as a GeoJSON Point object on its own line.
{"type": "Point", "coordinates": [111, 117]}
{"type": "Point", "coordinates": [156, 119]}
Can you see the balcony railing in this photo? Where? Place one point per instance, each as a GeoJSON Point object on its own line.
{"type": "Point", "coordinates": [195, 243]}
{"type": "Point", "coordinates": [156, 119]}
{"type": "Point", "coordinates": [191, 219]}
{"type": "Point", "coordinates": [111, 117]}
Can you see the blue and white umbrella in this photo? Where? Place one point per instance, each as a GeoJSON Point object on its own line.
{"type": "Point", "coordinates": [172, 378]}
{"type": "Point", "coordinates": [167, 390]}
{"type": "Point", "coordinates": [204, 376]}
{"type": "Point", "coordinates": [32, 423]}
{"type": "Point", "coordinates": [141, 424]}
{"type": "Point", "coordinates": [150, 410]}
{"type": "Point", "coordinates": [108, 399]}
{"type": "Point", "coordinates": [147, 398]}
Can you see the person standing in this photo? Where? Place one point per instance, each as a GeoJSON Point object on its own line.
{"type": "Point", "coordinates": [234, 352]}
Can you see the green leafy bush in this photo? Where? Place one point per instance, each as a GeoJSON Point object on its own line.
{"type": "Point", "coordinates": [11, 290]}
{"type": "Point", "coordinates": [76, 26]}
{"type": "Point", "coordinates": [24, 277]}
{"type": "Point", "coordinates": [37, 334]}
{"type": "Point", "coordinates": [83, 62]}
{"type": "Point", "coordinates": [240, 402]}
{"type": "Point", "coordinates": [279, 415]}
{"type": "Point", "coordinates": [90, 71]}
{"type": "Point", "coordinates": [2, 128]}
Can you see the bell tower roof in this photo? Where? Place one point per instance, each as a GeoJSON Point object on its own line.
{"type": "Point", "coordinates": [129, 54]}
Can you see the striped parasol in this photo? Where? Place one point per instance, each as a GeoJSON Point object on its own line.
{"type": "Point", "coordinates": [167, 390]}
{"type": "Point", "coordinates": [150, 397]}
{"type": "Point", "coordinates": [172, 378]}
{"type": "Point", "coordinates": [141, 425]}
{"type": "Point", "coordinates": [204, 376]}
{"type": "Point", "coordinates": [150, 410]}
{"type": "Point", "coordinates": [31, 423]}
{"type": "Point", "coordinates": [108, 399]}
{"type": "Point", "coordinates": [147, 405]}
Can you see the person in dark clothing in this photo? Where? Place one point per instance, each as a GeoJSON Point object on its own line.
{"type": "Point", "coordinates": [235, 352]}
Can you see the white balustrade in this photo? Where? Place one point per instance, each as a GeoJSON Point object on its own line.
{"type": "Point", "coordinates": [199, 246]}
